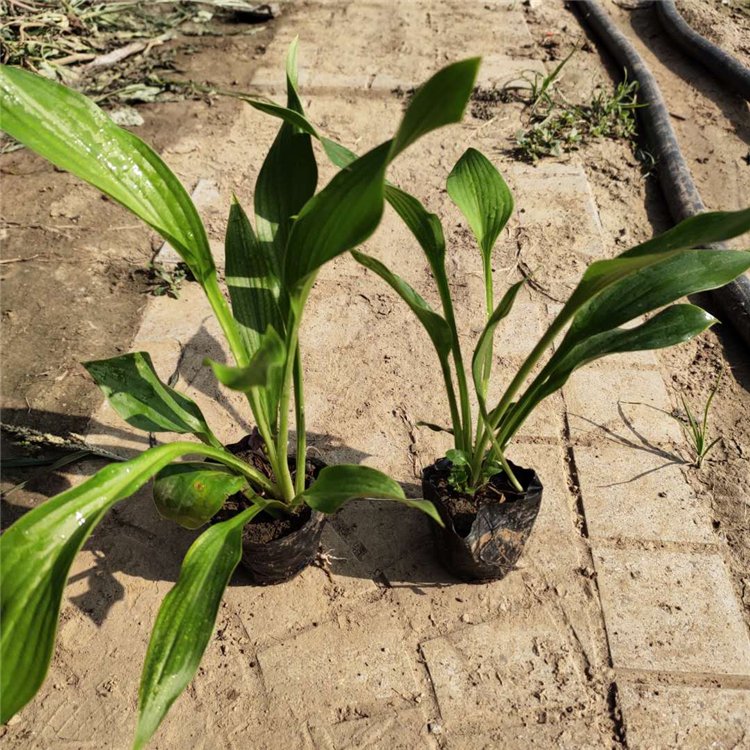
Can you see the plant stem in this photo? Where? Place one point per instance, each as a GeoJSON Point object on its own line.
{"type": "Point", "coordinates": [489, 297]}
{"type": "Point", "coordinates": [282, 440]}
{"type": "Point", "coordinates": [229, 459]}
{"type": "Point", "coordinates": [461, 429]}
{"type": "Point", "coordinates": [223, 314]}
{"type": "Point", "coordinates": [237, 347]}
{"type": "Point", "coordinates": [299, 417]}
{"type": "Point", "coordinates": [523, 372]}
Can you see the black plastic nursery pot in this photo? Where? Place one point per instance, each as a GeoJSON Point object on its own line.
{"type": "Point", "coordinates": [484, 535]}
{"type": "Point", "coordinates": [275, 550]}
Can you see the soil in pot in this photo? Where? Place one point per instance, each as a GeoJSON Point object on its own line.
{"type": "Point", "coordinates": [484, 533]}
{"type": "Point", "coordinates": [275, 549]}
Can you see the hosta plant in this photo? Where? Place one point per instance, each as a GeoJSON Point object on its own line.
{"type": "Point", "coordinates": [270, 271]}
{"type": "Point", "coordinates": [645, 280]}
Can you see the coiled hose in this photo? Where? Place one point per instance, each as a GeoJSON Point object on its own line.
{"type": "Point", "coordinates": [725, 67]}
{"type": "Point", "coordinates": [676, 181]}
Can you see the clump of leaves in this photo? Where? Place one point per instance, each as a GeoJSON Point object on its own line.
{"type": "Point", "coordinates": [163, 281]}
{"type": "Point", "coordinates": [696, 428]}
{"type": "Point", "coordinates": [611, 293]}
{"type": "Point", "coordinates": [562, 127]}
{"type": "Point", "coordinates": [271, 268]}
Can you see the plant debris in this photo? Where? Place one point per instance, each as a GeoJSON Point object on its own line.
{"type": "Point", "coordinates": [115, 52]}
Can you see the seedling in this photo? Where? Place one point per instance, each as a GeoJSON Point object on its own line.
{"type": "Point", "coordinates": [696, 430]}
{"type": "Point", "coordinates": [165, 281]}
{"type": "Point", "coordinates": [270, 271]}
{"type": "Point", "coordinates": [610, 294]}
{"type": "Point", "coordinates": [558, 126]}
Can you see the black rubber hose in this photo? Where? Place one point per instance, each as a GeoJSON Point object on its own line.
{"type": "Point", "coordinates": [676, 181]}
{"type": "Point", "coordinates": [725, 67]}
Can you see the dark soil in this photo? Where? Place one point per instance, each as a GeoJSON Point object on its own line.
{"type": "Point", "coordinates": [264, 527]}
{"type": "Point", "coordinates": [463, 508]}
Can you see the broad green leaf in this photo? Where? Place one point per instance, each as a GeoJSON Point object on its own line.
{"type": "Point", "coordinates": [696, 231]}
{"type": "Point", "coordinates": [665, 279]}
{"type": "Point", "coordinates": [261, 371]}
{"type": "Point", "coordinates": [289, 175]}
{"type": "Point", "coordinates": [37, 552]}
{"type": "Point", "coordinates": [439, 101]}
{"type": "Point", "coordinates": [337, 485]}
{"type": "Point", "coordinates": [341, 216]}
{"type": "Point", "coordinates": [347, 211]}
{"type": "Point", "coordinates": [484, 344]}
{"type": "Point", "coordinates": [136, 393]}
{"type": "Point", "coordinates": [340, 156]}
{"type": "Point", "coordinates": [69, 130]}
{"type": "Point", "coordinates": [253, 279]}
{"type": "Point", "coordinates": [435, 325]}
{"type": "Point", "coordinates": [693, 232]}
{"type": "Point", "coordinates": [192, 492]}
{"type": "Point", "coordinates": [671, 326]}
{"type": "Point", "coordinates": [480, 193]}
{"type": "Point", "coordinates": [186, 621]}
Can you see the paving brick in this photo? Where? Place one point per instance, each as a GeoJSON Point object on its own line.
{"type": "Point", "coordinates": [546, 421]}
{"type": "Point", "coordinates": [507, 674]}
{"type": "Point", "coordinates": [638, 494]}
{"type": "Point", "coordinates": [415, 33]}
{"type": "Point", "coordinates": [363, 661]}
{"type": "Point", "coordinates": [672, 612]}
{"type": "Point", "coordinates": [626, 405]}
{"type": "Point", "coordinates": [397, 731]}
{"type": "Point", "coordinates": [573, 216]}
{"type": "Point", "coordinates": [549, 463]}
{"type": "Point", "coordinates": [684, 718]}
{"type": "Point", "coordinates": [273, 613]}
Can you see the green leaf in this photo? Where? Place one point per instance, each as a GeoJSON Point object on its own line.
{"type": "Point", "coordinates": [269, 107]}
{"type": "Point", "coordinates": [671, 326]}
{"type": "Point", "coordinates": [340, 156]}
{"type": "Point", "coordinates": [337, 485]}
{"type": "Point", "coordinates": [696, 231]}
{"type": "Point", "coordinates": [440, 101]}
{"type": "Point", "coordinates": [484, 344]}
{"type": "Point", "coordinates": [136, 393]}
{"type": "Point", "coordinates": [480, 193]}
{"type": "Point", "coordinates": [253, 279]}
{"type": "Point", "coordinates": [37, 552]}
{"type": "Point", "coordinates": [347, 211]}
{"type": "Point", "coordinates": [667, 277]}
{"type": "Point", "coordinates": [341, 216]}
{"type": "Point", "coordinates": [191, 493]}
{"type": "Point", "coordinates": [262, 370]}
{"type": "Point", "coordinates": [435, 325]}
{"type": "Point", "coordinates": [69, 130]}
{"type": "Point", "coordinates": [289, 175]}
{"type": "Point", "coordinates": [691, 233]}
{"type": "Point", "coordinates": [186, 621]}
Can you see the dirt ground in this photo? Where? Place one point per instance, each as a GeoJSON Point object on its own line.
{"type": "Point", "coordinates": [713, 127]}
{"type": "Point", "coordinates": [72, 288]}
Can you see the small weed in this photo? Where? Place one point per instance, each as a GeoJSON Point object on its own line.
{"type": "Point", "coordinates": [696, 430]}
{"type": "Point", "coordinates": [167, 281]}
{"type": "Point", "coordinates": [563, 127]}
{"type": "Point", "coordinates": [556, 126]}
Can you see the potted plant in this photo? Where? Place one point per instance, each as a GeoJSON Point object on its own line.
{"type": "Point", "coordinates": [487, 503]}
{"type": "Point", "coordinates": [270, 272]}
